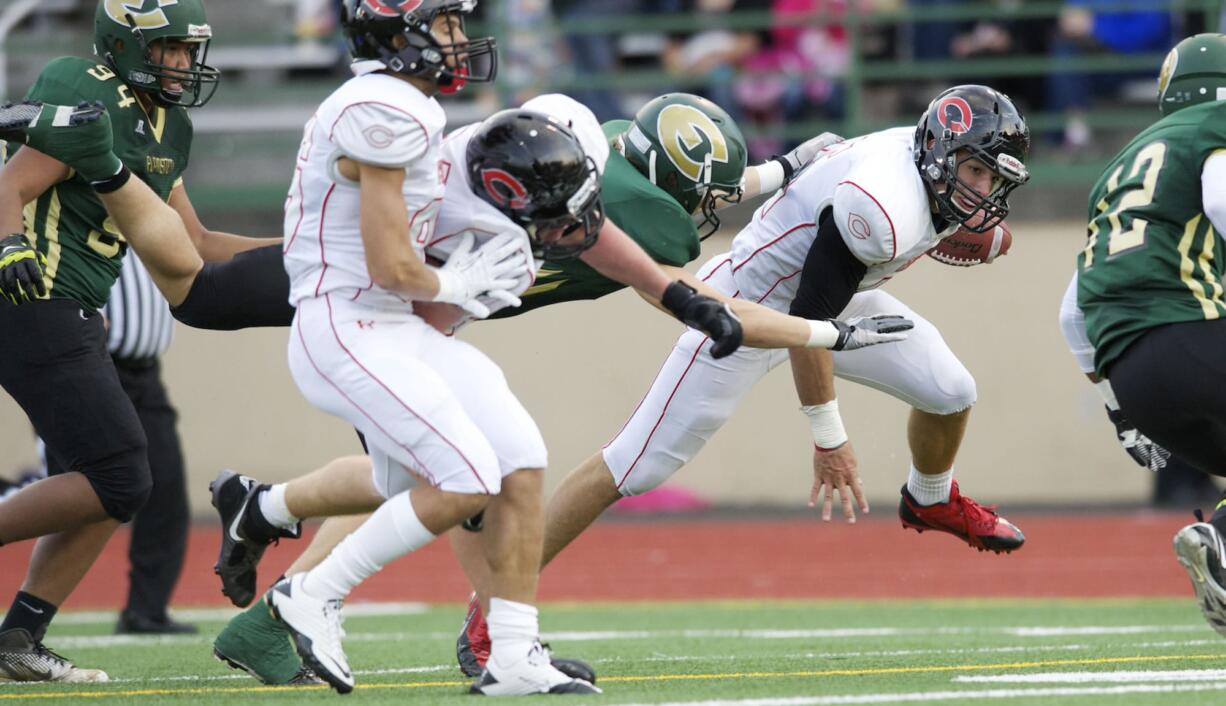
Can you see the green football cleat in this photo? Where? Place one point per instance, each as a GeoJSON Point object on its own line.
{"type": "Point", "coordinates": [257, 644]}
{"type": "Point", "coordinates": [79, 137]}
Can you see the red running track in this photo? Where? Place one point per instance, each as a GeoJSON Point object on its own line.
{"type": "Point", "coordinates": [1068, 555]}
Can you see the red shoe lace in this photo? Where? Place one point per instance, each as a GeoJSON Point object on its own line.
{"type": "Point", "coordinates": [980, 519]}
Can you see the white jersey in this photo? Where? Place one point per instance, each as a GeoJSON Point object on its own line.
{"type": "Point", "coordinates": [374, 119]}
{"type": "Point", "coordinates": [879, 204]}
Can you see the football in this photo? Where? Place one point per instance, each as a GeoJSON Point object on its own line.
{"type": "Point", "coordinates": [965, 248]}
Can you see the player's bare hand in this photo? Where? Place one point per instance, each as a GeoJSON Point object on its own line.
{"type": "Point", "coordinates": [837, 471]}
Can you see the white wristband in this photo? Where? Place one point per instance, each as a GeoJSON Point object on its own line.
{"type": "Point", "coordinates": [450, 289]}
{"type": "Point", "coordinates": [770, 176]}
{"type": "Point", "coordinates": [822, 334]}
{"type": "Point", "coordinates": [1104, 390]}
{"type": "Point", "coordinates": [826, 425]}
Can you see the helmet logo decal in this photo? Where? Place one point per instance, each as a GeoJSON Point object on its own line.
{"type": "Point", "coordinates": [119, 10]}
{"type": "Point", "coordinates": [682, 128]}
{"type": "Point", "coordinates": [955, 115]}
{"type": "Point", "coordinates": [392, 8]}
{"type": "Point", "coordinates": [859, 227]}
{"type": "Point", "coordinates": [1168, 68]}
{"type": "Point", "coordinates": [505, 189]}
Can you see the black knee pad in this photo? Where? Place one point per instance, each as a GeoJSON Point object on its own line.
{"type": "Point", "coordinates": [122, 482]}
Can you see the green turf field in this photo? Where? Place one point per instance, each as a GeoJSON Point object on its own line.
{"type": "Point", "coordinates": [1116, 652]}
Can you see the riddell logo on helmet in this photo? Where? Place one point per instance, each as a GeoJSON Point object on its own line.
{"type": "Point", "coordinates": [505, 189]}
{"type": "Point", "coordinates": [392, 8]}
{"type": "Point", "coordinates": [955, 115]}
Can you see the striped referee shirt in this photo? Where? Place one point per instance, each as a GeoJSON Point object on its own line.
{"type": "Point", "coordinates": [140, 324]}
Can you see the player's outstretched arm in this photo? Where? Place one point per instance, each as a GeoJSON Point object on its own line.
{"type": "Point", "coordinates": [772, 174]}
{"type": "Point", "coordinates": [213, 246]}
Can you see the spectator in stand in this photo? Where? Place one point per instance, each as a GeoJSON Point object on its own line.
{"type": "Point", "coordinates": [1087, 27]}
{"type": "Point", "coordinates": [595, 54]}
{"type": "Point", "coordinates": [714, 52]}
{"type": "Point", "coordinates": [798, 72]}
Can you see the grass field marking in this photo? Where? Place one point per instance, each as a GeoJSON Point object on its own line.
{"type": "Point", "coordinates": [1173, 675]}
{"type": "Point", "coordinates": [913, 670]}
{"type": "Point", "coordinates": [102, 617]}
{"type": "Point", "coordinates": [645, 678]}
{"type": "Point", "coordinates": [961, 696]}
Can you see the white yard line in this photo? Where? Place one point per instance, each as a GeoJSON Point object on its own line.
{"type": "Point", "coordinates": [1123, 677]}
{"type": "Point", "coordinates": [94, 617]}
{"type": "Point", "coordinates": [962, 696]}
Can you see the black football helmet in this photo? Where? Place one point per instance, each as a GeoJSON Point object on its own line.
{"type": "Point", "coordinates": [371, 26]}
{"type": "Point", "coordinates": [986, 125]}
{"type": "Point", "coordinates": [531, 168]}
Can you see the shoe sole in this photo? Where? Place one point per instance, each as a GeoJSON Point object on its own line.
{"type": "Point", "coordinates": [1191, 553]}
{"type": "Point", "coordinates": [990, 544]}
{"type": "Point", "coordinates": [235, 664]}
{"type": "Point", "coordinates": [302, 645]}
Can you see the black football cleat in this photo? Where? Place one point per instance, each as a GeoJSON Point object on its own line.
{"type": "Point", "coordinates": [245, 534]}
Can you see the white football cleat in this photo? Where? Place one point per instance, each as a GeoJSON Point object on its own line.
{"type": "Point", "coordinates": [315, 626]}
{"type": "Point", "coordinates": [1199, 548]}
{"type": "Point", "coordinates": [530, 674]}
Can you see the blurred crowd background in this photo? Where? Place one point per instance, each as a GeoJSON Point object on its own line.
{"type": "Point", "coordinates": [1082, 70]}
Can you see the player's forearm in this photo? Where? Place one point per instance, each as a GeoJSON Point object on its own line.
{"type": "Point", "coordinates": [215, 246]}
{"type": "Point", "coordinates": [10, 213]}
{"type": "Point", "coordinates": [763, 327]}
{"type": "Point", "coordinates": [813, 374]}
{"type": "Point", "coordinates": [384, 223]}
{"type": "Point", "coordinates": [616, 256]}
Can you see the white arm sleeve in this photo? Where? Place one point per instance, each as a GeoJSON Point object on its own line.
{"type": "Point", "coordinates": [379, 134]}
{"type": "Point", "coordinates": [1073, 326]}
{"type": "Point", "coordinates": [1213, 190]}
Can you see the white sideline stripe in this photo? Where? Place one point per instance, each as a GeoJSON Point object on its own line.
{"type": "Point", "coordinates": [237, 675]}
{"type": "Point", "coordinates": [963, 696]}
{"type": "Point", "coordinates": [104, 641]}
{"type": "Point", "coordinates": [93, 617]}
{"type": "Point", "coordinates": [1173, 675]}
{"type": "Point", "coordinates": [1097, 630]}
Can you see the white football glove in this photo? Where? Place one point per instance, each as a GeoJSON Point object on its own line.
{"type": "Point", "coordinates": [1138, 446]}
{"type": "Point", "coordinates": [805, 152]}
{"type": "Point", "coordinates": [491, 270]}
{"type": "Point", "coordinates": [861, 331]}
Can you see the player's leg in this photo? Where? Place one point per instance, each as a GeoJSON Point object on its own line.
{"type": "Point", "coordinates": [364, 366]}
{"type": "Point", "coordinates": [55, 365]}
{"type": "Point", "coordinates": [509, 543]}
{"type": "Point", "coordinates": [1170, 402]}
{"type": "Point", "coordinates": [923, 372]}
{"type": "Point", "coordinates": [250, 289]}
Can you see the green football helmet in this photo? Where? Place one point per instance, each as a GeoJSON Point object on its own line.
{"type": "Point", "coordinates": [1193, 72]}
{"type": "Point", "coordinates": [125, 30]}
{"type": "Point", "coordinates": [690, 148]}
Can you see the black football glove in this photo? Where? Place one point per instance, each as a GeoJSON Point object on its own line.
{"type": "Point", "coordinates": [1140, 447]}
{"type": "Point", "coordinates": [705, 314]}
{"type": "Point", "coordinates": [21, 269]}
{"type": "Point", "coordinates": [869, 331]}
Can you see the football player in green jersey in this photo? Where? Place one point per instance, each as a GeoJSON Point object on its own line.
{"type": "Point", "coordinates": [71, 208]}
{"type": "Point", "coordinates": [1149, 282]}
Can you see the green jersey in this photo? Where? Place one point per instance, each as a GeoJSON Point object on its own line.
{"type": "Point", "coordinates": [68, 222]}
{"type": "Point", "coordinates": [651, 217]}
{"type": "Point", "coordinates": [1152, 257]}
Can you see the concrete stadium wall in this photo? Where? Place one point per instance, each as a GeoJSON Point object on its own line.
{"type": "Point", "coordinates": [1037, 435]}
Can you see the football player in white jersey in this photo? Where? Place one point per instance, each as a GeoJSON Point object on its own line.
{"type": "Point", "coordinates": [850, 220]}
{"type": "Point", "coordinates": [442, 427]}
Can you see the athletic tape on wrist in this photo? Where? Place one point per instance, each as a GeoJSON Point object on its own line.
{"type": "Point", "coordinates": [826, 425]}
{"type": "Point", "coordinates": [822, 334]}
{"type": "Point", "coordinates": [771, 176]}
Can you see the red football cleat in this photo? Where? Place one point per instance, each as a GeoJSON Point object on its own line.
{"type": "Point", "coordinates": [472, 648]}
{"type": "Point", "coordinates": [962, 517]}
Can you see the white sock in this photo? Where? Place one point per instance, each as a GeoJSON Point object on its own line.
{"type": "Point", "coordinates": [274, 509]}
{"type": "Point", "coordinates": [513, 629]}
{"type": "Point", "coordinates": [930, 489]}
{"type": "Point", "coordinates": [393, 531]}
